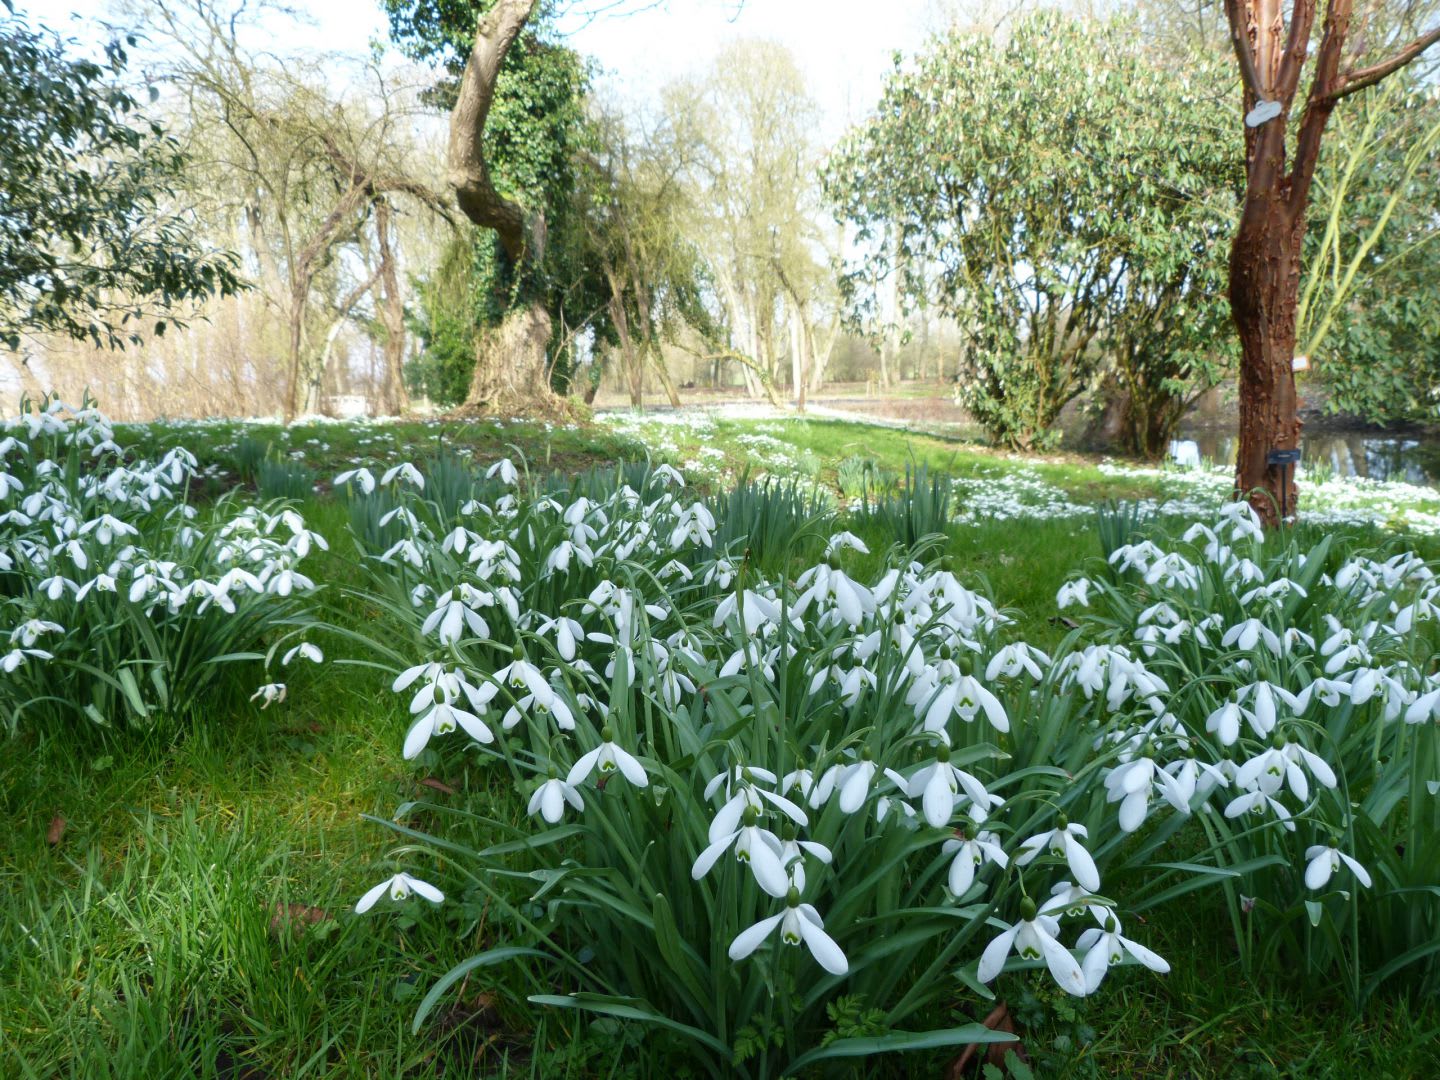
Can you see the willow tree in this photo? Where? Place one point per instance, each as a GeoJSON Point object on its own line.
{"type": "Point", "coordinates": [1273, 52]}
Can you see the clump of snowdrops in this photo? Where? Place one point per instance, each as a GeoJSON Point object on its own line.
{"type": "Point", "coordinates": [1297, 684]}
{"type": "Point", "coordinates": [122, 602]}
{"type": "Point", "coordinates": [754, 803]}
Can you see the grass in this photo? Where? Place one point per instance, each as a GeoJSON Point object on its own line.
{"type": "Point", "coordinates": [193, 919]}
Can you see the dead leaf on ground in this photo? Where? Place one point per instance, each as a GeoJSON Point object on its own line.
{"type": "Point", "coordinates": [56, 832]}
{"type": "Point", "coordinates": [994, 1053]}
{"type": "Point", "coordinates": [438, 785]}
{"type": "Point", "coordinates": [296, 916]}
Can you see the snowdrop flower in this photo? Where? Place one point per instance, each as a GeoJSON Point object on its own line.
{"type": "Point", "coordinates": [854, 780]}
{"type": "Point", "coordinates": [1135, 556]}
{"type": "Point", "coordinates": [550, 798]}
{"type": "Point", "coordinates": [520, 674]}
{"type": "Point", "coordinates": [406, 550]}
{"type": "Point", "coordinates": [793, 851]}
{"type": "Point", "coordinates": [305, 650]}
{"type": "Point", "coordinates": [1132, 784]}
{"type": "Point", "coordinates": [1224, 723]}
{"type": "Point", "coordinates": [696, 525]}
{"type": "Point", "coordinates": [32, 630]}
{"type": "Point", "coordinates": [405, 472]}
{"type": "Point", "coordinates": [1324, 861]}
{"type": "Point", "coordinates": [720, 574]}
{"type": "Point", "coordinates": [1106, 946]}
{"type": "Point", "coordinates": [1424, 707]}
{"type": "Point", "coordinates": [1063, 841]}
{"type": "Point", "coordinates": [845, 540]}
{"type": "Point", "coordinates": [399, 887]}
{"type": "Point", "coordinates": [1173, 571]}
{"type": "Point", "coordinates": [972, 850]}
{"type": "Point", "coordinates": [608, 758]}
{"type": "Point", "coordinates": [827, 584]}
{"type": "Point", "coordinates": [757, 847]}
{"type": "Point", "coordinates": [505, 469]}
{"type": "Point", "coordinates": [1251, 632]}
{"type": "Point", "coordinates": [15, 657]}
{"type": "Point", "coordinates": [441, 719]}
{"type": "Point", "coordinates": [99, 583]}
{"type": "Point", "coordinates": [966, 698]}
{"type": "Point", "coordinates": [1033, 937]}
{"type": "Point", "coordinates": [107, 529]}
{"type": "Point", "coordinates": [1073, 592]}
{"type": "Point", "coordinates": [455, 610]}
{"type": "Point", "coordinates": [547, 704]}
{"type": "Point", "coordinates": [755, 611]}
{"type": "Point", "coordinates": [567, 632]}
{"type": "Point", "coordinates": [1071, 900]}
{"type": "Point", "coordinates": [271, 693]}
{"type": "Point", "coordinates": [937, 786]}
{"type": "Point", "coordinates": [1015, 658]}
{"type": "Point", "coordinates": [743, 791]}
{"type": "Point", "coordinates": [798, 923]}
{"type": "Point", "coordinates": [1242, 521]}
{"type": "Point", "coordinates": [1281, 764]}
{"type": "Point", "coordinates": [668, 474]}
{"type": "Point", "coordinates": [363, 477]}
{"type": "Point", "coordinates": [1257, 802]}
{"type": "Point", "coordinates": [852, 682]}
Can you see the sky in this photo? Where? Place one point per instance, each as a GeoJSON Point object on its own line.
{"type": "Point", "coordinates": [843, 46]}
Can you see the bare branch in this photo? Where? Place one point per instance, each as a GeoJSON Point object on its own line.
{"type": "Point", "coordinates": [1240, 40]}
{"type": "Point", "coordinates": [1356, 81]}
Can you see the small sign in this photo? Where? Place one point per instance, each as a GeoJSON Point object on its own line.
{"type": "Point", "coordinates": [1262, 113]}
{"type": "Point", "coordinates": [1283, 457]}
{"type": "Point", "coordinates": [1300, 363]}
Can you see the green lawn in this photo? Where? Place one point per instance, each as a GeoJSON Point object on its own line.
{"type": "Point", "coordinates": [192, 917]}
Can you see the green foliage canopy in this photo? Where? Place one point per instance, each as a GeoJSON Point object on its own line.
{"type": "Point", "coordinates": [1070, 204]}
{"type": "Point", "coordinates": [1369, 311]}
{"type": "Point", "coordinates": [91, 245]}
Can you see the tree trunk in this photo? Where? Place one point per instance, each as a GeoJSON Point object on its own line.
{"type": "Point", "coordinates": [657, 357]}
{"type": "Point", "coordinates": [1264, 291]}
{"type": "Point", "coordinates": [799, 358]}
{"type": "Point", "coordinates": [1265, 257]}
{"type": "Point", "coordinates": [510, 369]}
{"type": "Point", "coordinates": [511, 376]}
{"type": "Point", "coordinates": [295, 359]}
{"type": "Point", "coordinates": [390, 305]}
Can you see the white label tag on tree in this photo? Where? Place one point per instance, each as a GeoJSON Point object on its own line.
{"type": "Point", "coordinates": [1300, 363]}
{"type": "Point", "coordinates": [1262, 112]}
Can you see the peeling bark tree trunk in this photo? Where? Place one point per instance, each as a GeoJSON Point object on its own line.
{"type": "Point", "coordinates": [1264, 291]}
{"type": "Point", "coordinates": [1265, 256]}
{"type": "Point", "coordinates": [511, 374]}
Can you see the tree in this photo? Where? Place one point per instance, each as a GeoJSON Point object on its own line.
{"type": "Point", "coordinates": [1059, 196]}
{"type": "Point", "coordinates": [91, 245]}
{"type": "Point", "coordinates": [1265, 256]}
{"type": "Point", "coordinates": [755, 202]}
{"type": "Point", "coordinates": [1368, 315]}
{"type": "Point", "coordinates": [518, 134]}
{"type": "Point", "coordinates": [654, 273]}
{"type": "Point", "coordinates": [274, 146]}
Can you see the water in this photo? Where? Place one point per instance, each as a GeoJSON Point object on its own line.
{"type": "Point", "coordinates": [1363, 454]}
{"type": "Point", "coordinates": [1209, 437]}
